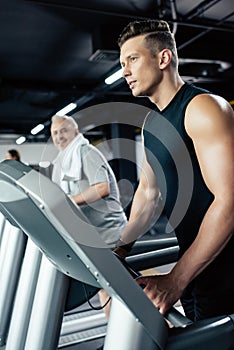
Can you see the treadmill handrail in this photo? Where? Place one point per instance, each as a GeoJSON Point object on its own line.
{"type": "Point", "coordinates": [78, 249]}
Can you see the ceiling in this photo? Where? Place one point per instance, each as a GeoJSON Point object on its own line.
{"type": "Point", "coordinates": [54, 52]}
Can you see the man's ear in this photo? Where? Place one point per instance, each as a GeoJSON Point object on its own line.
{"type": "Point", "coordinates": [165, 58]}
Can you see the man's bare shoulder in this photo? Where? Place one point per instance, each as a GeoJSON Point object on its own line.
{"type": "Point", "coordinates": [208, 113]}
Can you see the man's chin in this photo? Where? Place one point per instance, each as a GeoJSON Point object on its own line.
{"type": "Point", "coordinates": [138, 94]}
{"type": "Point", "coordinates": [61, 148]}
{"type": "Point", "coordinates": [135, 93]}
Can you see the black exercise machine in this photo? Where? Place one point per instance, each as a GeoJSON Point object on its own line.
{"type": "Point", "coordinates": [56, 225]}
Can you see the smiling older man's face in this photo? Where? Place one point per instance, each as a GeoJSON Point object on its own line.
{"type": "Point", "coordinates": [62, 133]}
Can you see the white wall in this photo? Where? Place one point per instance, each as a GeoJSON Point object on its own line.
{"type": "Point", "coordinates": [31, 153]}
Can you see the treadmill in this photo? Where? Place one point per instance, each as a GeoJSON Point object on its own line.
{"type": "Point", "coordinates": [31, 202]}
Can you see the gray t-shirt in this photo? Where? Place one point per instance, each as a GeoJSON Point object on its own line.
{"type": "Point", "coordinates": [106, 214]}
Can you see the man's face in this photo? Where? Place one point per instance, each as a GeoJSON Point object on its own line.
{"type": "Point", "coordinates": [62, 133]}
{"type": "Point", "coordinates": [140, 69]}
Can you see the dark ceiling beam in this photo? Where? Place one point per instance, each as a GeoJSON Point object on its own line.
{"type": "Point", "coordinates": [38, 87]}
{"type": "Point", "coordinates": [209, 25]}
{"type": "Point", "coordinates": [200, 9]}
{"type": "Point", "coordinates": [87, 10]}
{"type": "Point", "coordinates": [196, 12]}
{"type": "Point", "coordinates": [209, 29]}
{"type": "Point", "coordinates": [132, 16]}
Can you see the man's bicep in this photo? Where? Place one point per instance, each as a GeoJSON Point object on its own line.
{"type": "Point", "coordinates": [217, 164]}
{"type": "Point", "coordinates": [214, 146]}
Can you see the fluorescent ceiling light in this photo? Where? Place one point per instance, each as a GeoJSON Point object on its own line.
{"type": "Point", "coordinates": [20, 140]}
{"type": "Point", "coordinates": [37, 129]}
{"type": "Point", "coordinates": [66, 109]}
{"type": "Point", "coordinates": [223, 64]}
{"type": "Point", "coordinates": [115, 76]}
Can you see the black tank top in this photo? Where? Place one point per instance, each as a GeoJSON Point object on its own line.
{"type": "Point", "coordinates": [170, 152]}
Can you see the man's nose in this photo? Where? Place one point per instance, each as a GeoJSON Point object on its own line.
{"type": "Point", "coordinates": [126, 72]}
{"type": "Point", "coordinates": [60, 135]}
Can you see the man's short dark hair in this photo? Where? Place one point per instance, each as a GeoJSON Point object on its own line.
{"type": "Point", "coordinates": [158, 36]}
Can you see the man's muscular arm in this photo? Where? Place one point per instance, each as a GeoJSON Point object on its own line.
{"type": "Point", "coordinates": [143, 211]}
{"type": "Point", "coordinates": [210, 123]}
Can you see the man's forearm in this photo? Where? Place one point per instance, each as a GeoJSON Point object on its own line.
{"type": "Point", "coordinates": [92, 194]}
{"type": "Point", "coordinates": [143, 215]}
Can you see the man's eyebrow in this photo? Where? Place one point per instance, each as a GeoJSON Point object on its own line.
{"type": "Point", "coordinates": [56, 130]}
{"type": "Point", "coordinates": [133, 53]}
{"type": "Point", "coordinates": [128, 56]}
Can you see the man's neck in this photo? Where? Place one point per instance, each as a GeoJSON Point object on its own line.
{"type": "Point", "coordinates": [166, 91]}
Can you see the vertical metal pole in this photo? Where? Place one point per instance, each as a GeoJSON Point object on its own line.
{"type": "Point", "coordinates": [24, 298]}
{"type": "Point", "coordinates": [2, 224]}
{"type": "Point", "coordinates": [12, 251]}
{"type": "Point", "coordinates": [48, 308]}
{"type": "Point", "coordinates": [124, 331]}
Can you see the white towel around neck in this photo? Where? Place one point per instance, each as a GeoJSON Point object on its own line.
{"type": "Point", "coordinates": [67, 164]}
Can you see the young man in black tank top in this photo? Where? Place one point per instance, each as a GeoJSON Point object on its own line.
{"type": "Point", "coordinates": [195, 152]}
